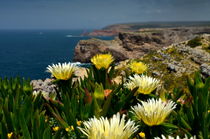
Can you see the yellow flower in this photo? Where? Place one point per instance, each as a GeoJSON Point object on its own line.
{"type": "Point", "coordinates": [62, 71]}
{"type": "Point", "coordinates": [145, 83]}
{"type": "Point", "coordinates": [153, 112]}
{"type": "Point", "coordinates": [79, 123]}
{"type": "Point", "coordinates": [115, 128]}
{"type": "Point", "coordinates": [142, 135]}
{"type": "Point", "coordinates": [67, 129]}
{"type": "Point", "coordinates": [102, 60]}
{"type": "Point", "coordinates": [177, 137]}
{"type": "Point", "coordinates": [138, 67]}
{"type": "Point", "coordinates": [9, 135]}
{"type": "Point", "coordinates": [56, 128]}
{"type": "Point", "coordinates": [70, 128]}
{"type": "Point", "coordinates": [46, 119]}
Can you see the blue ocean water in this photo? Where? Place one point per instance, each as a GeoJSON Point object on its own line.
{"type": "Point", "coordinates": [27, 53]}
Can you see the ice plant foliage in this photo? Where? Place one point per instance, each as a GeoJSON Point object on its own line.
{"type": "Point", "coordinates": [115, 128]}
{"type": "Point", "coordinates": [62, 71]}
{"type": "Point", "coordinates": [153, 112]}
{"type": "Point", "coordinates": [177, 137]}
{"type": "Point", "coordinates": [102, 61]}
{"type": "Point", "coordinates": [138, 67]}
{"type": "Point", "coordinates": [145, 83]}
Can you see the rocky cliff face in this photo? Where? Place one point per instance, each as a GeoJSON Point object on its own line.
{"type": "Point", "coordinates": [174, 63]}
{"type": "Point", "coordinates": [179, 60]}
{"type": "Point", "coordinates": [86, 49]}
{"type": "Point", "coordinates": [169, 64]}
{"type": "Point", "coordinates": [129, 45]}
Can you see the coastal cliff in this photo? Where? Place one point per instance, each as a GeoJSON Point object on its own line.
{"type": "Point", "coordinates": [113, 30]}
{"type": "Point", "coordinates": [171, 54]}
{"type": "Point", "coordinates": [131, 45]}
{"type": "Point", "coordinates": [170, 64]}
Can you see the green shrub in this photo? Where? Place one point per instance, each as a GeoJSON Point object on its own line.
{"type": "Point", "coordinates": [195, 42]}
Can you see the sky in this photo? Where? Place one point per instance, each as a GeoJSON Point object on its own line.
{"type": "Point", "coordinates": [96, 14]}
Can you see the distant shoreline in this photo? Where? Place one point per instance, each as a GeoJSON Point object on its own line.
{"type": "Point", "coordinates": [113, 30]}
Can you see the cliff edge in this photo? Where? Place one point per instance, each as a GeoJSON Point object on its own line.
{"type": "Point", "coordinates": [131, 45]}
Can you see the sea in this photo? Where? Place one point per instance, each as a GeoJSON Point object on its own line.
{"type": "Point", "coordinates": [27, 53]}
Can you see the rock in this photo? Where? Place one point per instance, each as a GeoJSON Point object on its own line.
{"type": "Point", "coordinates": [178, 61]}
{"type": "Point", "coordinates": [155, 73]}
{"type": "Point", "coordinates": [131, 45]}
{"type": "Point", "coordinates": [157, 58]}
{"type": "Point", "coordinates": [133, 40]}
{"type": "Point", "coordinates": [101, 33]}
{"type": "Point", "coordinates": [205, 69]}
{"type": "Point", "coordinates": [172, 67]}
{"type": "Point", "coordinates": [47, 85]}
{"type": "Point", "coordinates": [86, 49]}
{"type": "Point", "coordinates": [43, 85]}
{"type": "Point", "coordinates": [165, 56]}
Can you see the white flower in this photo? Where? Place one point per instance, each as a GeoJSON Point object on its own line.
{"type": "Point", "coordinates": [62, 71]}
{"type": "Point", "coordinates": [153, 112]}
{"type": "Point", "coordinates": [177, 137]}
{"type": "Point", "coordinates": [115, 128]}
{"type": "Point", "coordinates": [145, 83]}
